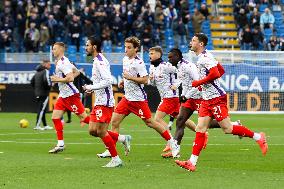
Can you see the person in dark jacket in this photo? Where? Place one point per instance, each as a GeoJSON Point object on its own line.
{"type": "Point", "coordinates": [41, 83]}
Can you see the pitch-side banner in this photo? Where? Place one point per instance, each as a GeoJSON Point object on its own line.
{"type": "Point", "coordinates": [249, 88]}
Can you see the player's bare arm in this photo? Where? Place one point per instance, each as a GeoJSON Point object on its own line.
{"type": "Point", "coordinates": [121, 84]}
{"type": "Point", "coordinates": [76, 72]}
{"type": "Point", "coordinates": [68, 78]}
{"type": "Point", "coordinates": [139, 80]}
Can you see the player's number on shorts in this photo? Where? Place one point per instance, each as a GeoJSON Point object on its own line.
{"type": "Point", "coordinates": [217, 110]}
{"type": "Point", "coordinates": [198, 106]}
{"type": "Point", "coordinates": [99, 114]}
{"type": "Point", "coordinates": [74, 108]}
{"type": "Point", "coordinates": [141, 113]}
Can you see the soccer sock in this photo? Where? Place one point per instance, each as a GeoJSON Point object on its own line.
{"type": "Point", "coordinates": [86, 120]}
{"type": "Point", "coordinates": [108, 141]}
{"type": "Point", "coordinates": [198, 143]}
{"type": "Point", "coordinates": [59, 128]}
{"type": "Point", "coordinates": [242, 131]}
{"type": "Point", "coordinates": [114, 136]}
{"type": "Point", "coordinates": [60, 143]}
{"type": "Point", "coordinates": [166, 135]}
{"type": "Point", "coordinates": [121, 138]}
{"type": "Point", "coordinates": [193, 159]}
{"type": "Point", "coordinates": [256, 136]}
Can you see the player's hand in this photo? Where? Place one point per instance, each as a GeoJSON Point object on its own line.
{"type": "Point", "coordinates": [54, 78]}
{"type": "Point", "coordinates": [126, 75]}
{"type": "Point", "coordinates": [195, 83]}
{"type": "Point", "coordinates": [151, 77]}
{"type": "Point", "coordinates": [182, 99]}
{"type": "Point", "coordinates": [121, 84]}
{"type": "Point", "coordinates": [87, 89]}
{"type": "Point", "coordinates": [173, 87]}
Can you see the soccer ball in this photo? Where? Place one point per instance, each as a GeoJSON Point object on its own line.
{"type": "Point", "coordinates": [24, 123]}
{"type": "Point", "coordinates": [87, 110]}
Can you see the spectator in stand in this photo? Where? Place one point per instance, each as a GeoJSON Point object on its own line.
{"type": "Point", "coordinates": [246, 39]}
{"type": "Point", "coordinates": [170, 14]}
{"type": "Point", "coordinates": [138, 26]}
{"type": "Point", "coordinates": [197, 20]}
{"type": "Point", "coordinates": [158, 15]}
{"type": "Point", "coordinates": [31, 38]}
{"type": "Point", "coordinates": [257, 39]}
{"type": "Point", "coordinates": [273, 44]}
{"type": "Point", "coordinates": [75, 31]}
{"type": "Point", "coordinates": [106, 35]}
{"type": "Point", "coordinates": [254, 19]}
{"type": "Point", "coordinates": [52, 25]}
{"type": "Point", "coordinates": [88, 28]}
{"type": "Point", "coordinates": [5, 40]}
{"type": "Point", "coordinates": [215, 8]}
{"type": "Point", "coordinates": [204, 11]}
{"type": "Point", "coordinates": [281, 44]}
{"type": "Point", "coordinates": [181, 30]}
{"type": "Point", "coordinates": [266, 20]}
{"type": "Point", "coordinates": [19, 33]}
{"type": "Point", "coordinates": [148, 15]}
{"type": "Point", "coordinates": [147, 38]}
{"type": "Point", "coordinates": [184, 11]}
{"type": "Point", "coordinates": [44, 38]}
{"type": "Point", "coordinates": [242, 19]}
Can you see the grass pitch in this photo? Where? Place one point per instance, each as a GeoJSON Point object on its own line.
{"type": "Point", "coordinates": [228, 162]}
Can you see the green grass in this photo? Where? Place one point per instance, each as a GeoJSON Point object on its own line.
{"type": "Point", "coordinates": [228, 162]}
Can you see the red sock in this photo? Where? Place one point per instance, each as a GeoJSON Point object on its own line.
{"type": "Point", "coordinates": [166, 135]}
{"type": "Point", "coordinates": [114, 136]}
{"type": "Point", "coordinates": [242, 131]}
{"type": "Point", "coordinates": [198, 143]}
{"type": "Point", "coordinates": [110, 145]}
{"type": "Point", "coordinates": [86, 120]}
{"type": "Point", "coordinates": [59, 128]}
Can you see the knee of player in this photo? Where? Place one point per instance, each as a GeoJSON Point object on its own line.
{"type": "Point", "coordinates": [227, 130]}
{"type": "Point", "coordinates": [93, 132]}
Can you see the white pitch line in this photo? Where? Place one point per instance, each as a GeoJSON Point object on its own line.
{"type": "Point", "coordinates": [133, 144]}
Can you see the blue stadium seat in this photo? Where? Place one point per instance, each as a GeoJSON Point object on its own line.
{"type": "Point", "coordinates": [71, 49]}
{"type": "Point", "coordinates": [262, 7]}
{"type": "Point", "coordinates": [107, 49]}
{"type": "Point", "coordinates": [119, 49]}
{"type": "Point", "coordinates": [183, 48]}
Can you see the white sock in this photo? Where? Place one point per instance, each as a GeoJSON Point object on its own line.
{"type": "Point", "coordinates": [256, 136]}
{"type": "Point", "coordinates": [115, 158]}
{"type": "Point", "coordinates": [193, 159]}
{"type": "Point", "coordinates": [60, 143]}
{"type": "Point", "coordinates": [235, 123]}
{"type": "Point", "coordinates": [121, 138]}
{"type": "Point", "coordinates": [170, 123]}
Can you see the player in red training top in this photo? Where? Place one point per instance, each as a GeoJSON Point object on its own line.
{"type": "Point", "coordinates": [214, 104]}
{"type": "Point", "coordinates": [69, 97]}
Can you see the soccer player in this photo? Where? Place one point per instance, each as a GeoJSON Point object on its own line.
{"type": "Point", "coordinates": [102, 111]}
{"type": "Point", "coordinates": [191, 97]}
{"type": "Point", "coordinates": [163, 76]}
{"type": "Point", "coordinates": [69, 98]}
{"type": "Point", "coordinates": [135, 101]}
{"type": "Point", "coordinates": [214, 104]}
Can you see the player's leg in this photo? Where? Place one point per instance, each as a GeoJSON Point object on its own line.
{"type": "Point", "coordinates": [56, 118]}
{"type": "Point", "coordinates": [243, 131]}
{"type": "Point", "coordinates": [68, 117]}
{"type": "Point", "coordinates": [214, 124]}
{"type": "Point", "coordinates": [159, 117]}
{"type": "Point", "coordinates": [40, 105]}
{"type": "Point", "coordinates": [182, 117]}
{"type": "Point", "coordinates": [199, 140]}
{"type": "Point", "coordinates": [98, 126]}
{"type": "Point", "coordinates": [171, 122]}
